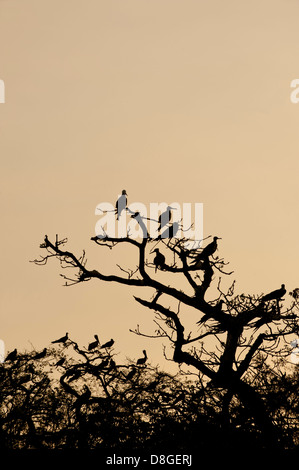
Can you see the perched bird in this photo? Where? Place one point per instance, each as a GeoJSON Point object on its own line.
{"type": "Point", "coordinates": [12, 355]}
{"type": "Point", "coordinates": [109, 344]}
{"type": "Point", "coordinates": [121, 204]}
{"type": "Point", "coordinates": [103, 364]}
{"type": "Point", "coordinates": [159, 260]}
{"type": "Point", "coordinates": [112, 364]}
{"type": "Point", "coordinates": [60, 362]}
{"type": "Point", "coordinates": [41, 354]}
{"type": "Point", "coordinates": [164, 218]}
{"type": "Point", "coordinates": [94, 344]}
{"type": "Point", "coordinates": [275, 295]}
{"type": "Point", "coordinates": [62, 340]}
{"type": "Point", "coordinates": [131, 373]}
{"type": "Point", "coordinates": [142, 360]}
{"type": "Point", "coordinates": [209, 250]}
{"type": "Point", "coordinates": [171, 231]}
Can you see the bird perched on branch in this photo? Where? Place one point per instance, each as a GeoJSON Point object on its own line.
{"type": "Point", "coordinates": [94, 344]}
{"type": "Point", "coordinates": [209, 250]}
{"type": "Point", "coordinates": [171, 231]}
{"type": "Point", "coordinates": [12, 355]}
{"type": "Point", "coordinates": [142, 360]}
{"type": "Point", "coordinates": [41, 354]}
{"type": "Point", "coordinates": [62, 340]}
{"type": "Point", "coordinates": [165, 217]}
{"type": "Point", "coordinates": [60, 362]}
{"type": "Point", "coordinates": [121, 204]}
{"type": "Point", "coordinates": [159, 260]}
{"type": "Point", "coordinates": [275, 295]}
{"type": "Point", "coordinates": [131, 373]}
{"type": "Point", "coordinates": [109, 344]}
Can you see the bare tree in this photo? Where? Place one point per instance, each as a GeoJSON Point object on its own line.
{"type": "Point", "coordinates": [231, 332]}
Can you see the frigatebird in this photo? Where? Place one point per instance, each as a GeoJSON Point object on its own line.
{"type": "Point", "coordinates": [142, 360]}
{"type": "Point", "coordinates": [159, 260]}
{"type": "Point", "coordinates": [12, 355]}
{"type": "Point", "coordinates": [62, 340]}
{"type": "Point", "coordinates": [209, 250]}
{"type": "Point", "coordinates": [121, 204]}
{"type": "Point", "coordinates": [41, 354]}
{"type": "Point", "coordinates": [275, 295]}
{"type": "Point", "coordinates": [165, 217]}
{"type": "Point", "coordinates": [94, 344]}
{"type": "Point", "coordinates": [109, 344]}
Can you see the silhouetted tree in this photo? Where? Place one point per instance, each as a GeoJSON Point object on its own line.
{"type": "Point", "coordinates": [230, 335]}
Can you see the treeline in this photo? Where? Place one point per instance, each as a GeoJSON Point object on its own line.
{"type": "Point", "coordinates": [66, 397]}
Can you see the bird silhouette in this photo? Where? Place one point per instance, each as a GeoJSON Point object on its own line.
{"type": "Point", "coordinates": [94, 344]}
{"type": "Point", "coordinates": [159, 260]}
{"type": "Point", "coordinates": [165, 218]}
{"type": "Point", "coordinates": [121, 204]}
{"type": "Point", "coordinates": [209, 250]}
{"type": "Point", "coordinates": [109, 344]}
{"type": "Point", "coordinates": [12, 355]}
{"type": "Point", "coordinates": [61, 340]}
{"type": "Point", "coordinates": [103, 364]}
{"type": "Point", "coordinates": [131, 373]}
{"type": "Point", "coordinates": [41, 354]}
{"type": "Point", "coordinates": [275, 295]}
{"type": "Point", "coordinates": [171, 231]}
{"type": "Point", "coordinates": [142, 360]}
{"type": "Point", "coordinates": [60, 362]}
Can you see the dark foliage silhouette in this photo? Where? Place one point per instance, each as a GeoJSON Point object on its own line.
{"type": "Point", "coordinates": [231, 333]}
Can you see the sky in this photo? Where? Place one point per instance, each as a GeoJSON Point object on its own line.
{"type": "Point", "coordinates": [172, 100]}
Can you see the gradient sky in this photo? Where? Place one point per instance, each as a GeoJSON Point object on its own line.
{"type": "Point", "coordinates": [173, 100]}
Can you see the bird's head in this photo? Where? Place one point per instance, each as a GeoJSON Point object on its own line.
{"type": "Point", "coordinates": [217, 238]}
{"type": "Point", "coordinates": [136, 214]}
{"type": "Point", "coordinates": [156, 250]}
{"type": "Point", "coordinates": [124, 192]}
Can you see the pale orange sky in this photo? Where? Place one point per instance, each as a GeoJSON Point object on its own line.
{"type": "Point", "coordinates": [185, 101]}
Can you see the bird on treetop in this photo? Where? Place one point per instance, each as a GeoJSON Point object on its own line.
{"type": "Point", "coordinates": [61, 340]}
{"type": "Point", "coordinates": [142, 360]}
{"type": "Point", "coordinates": [121, 204]}
{"type": "Point", "coordinates": [109, 344]}
{"type": "Point", "coordinates": [94, 344]}
{"type": "Point", "coordinates": [12, 355]}
{"type": "Point", "coordinates": [209, 250]}
{"type": "Point", "coordinates": [41, 354]}
{"type": "Point", "coordinates": [165, 217]}
{"type": "Point", "coordinates": [275, 295]}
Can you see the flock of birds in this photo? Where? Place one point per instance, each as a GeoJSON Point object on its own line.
{"type": "Point", "coordinates": [159, 262]}
{"type": "Point", "coordinates": [164, 220]}
{"type": "Point", "coordinates": [12, 356]}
